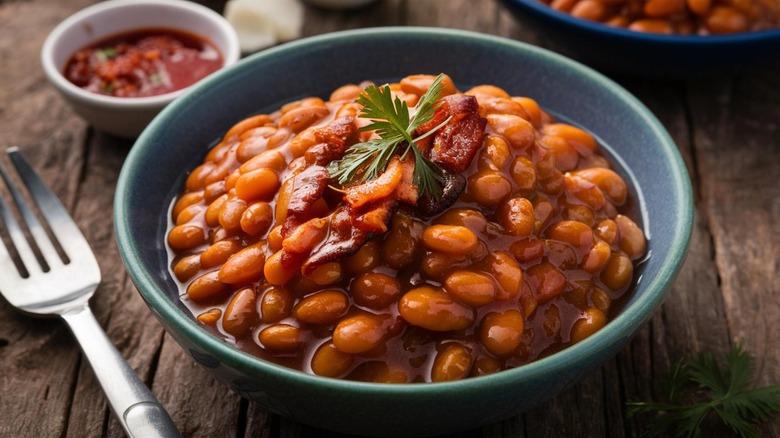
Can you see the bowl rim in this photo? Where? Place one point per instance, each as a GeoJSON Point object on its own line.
{"type": "Point", "coordinates": [619, 32]}
{"type": "Point", "coordinates": [230, 56]}
{"type": "Point", "coordinates": [622, 326]}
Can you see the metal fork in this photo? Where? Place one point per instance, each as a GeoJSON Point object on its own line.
{"type": "Point", "coordinates": [46, 284]}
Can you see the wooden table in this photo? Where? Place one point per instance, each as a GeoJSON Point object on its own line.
{"type": "Point", "coordinates": [727, 129]}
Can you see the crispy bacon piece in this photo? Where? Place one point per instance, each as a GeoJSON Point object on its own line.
{"type": "Point", "coordinates": [454, 184]}
{"type": "Point", "coordinates": [407, 189]}
{"type": "Point", "coordinates": [376, 189]}
{"type": "Point", "coordinates": [455, 145]}
{"type": "Point", "coordinates": [332, 140]}
{"type": "Point", "coordinates": [307, 187]}
{"type": "Point", "coordinates": [343, 240]}
{"type": "Point", "coordinates": [306, 236]}
{"type": "Point", "coordinates": [375, 220]}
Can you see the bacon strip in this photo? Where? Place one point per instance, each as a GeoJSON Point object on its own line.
{"type": "Point", "coordinates": [376, 189]}
{"type": "Point", "coordinates": [307, 187]}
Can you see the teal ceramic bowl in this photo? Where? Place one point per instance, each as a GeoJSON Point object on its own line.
{"type": "Point", "coordinates": [179, 138]}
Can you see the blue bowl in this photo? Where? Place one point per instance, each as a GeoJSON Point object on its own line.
{"type": "Point", "coordinates": [618, 50]}
{"type": "Point", "coordinates": [179, 137]}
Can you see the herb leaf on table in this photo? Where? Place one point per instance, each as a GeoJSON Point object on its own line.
{"type": "Point", "coordinates": [699, 387]}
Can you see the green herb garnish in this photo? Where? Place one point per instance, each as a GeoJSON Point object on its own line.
{"type": "Point", "coordinates": [697, 388]}
{"type": "Point", "coordinates": [104, 55]}
{"type": "Point", "coordinates": [390, 119]}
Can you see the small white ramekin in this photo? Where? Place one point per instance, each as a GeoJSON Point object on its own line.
{"type": "Point", "coordinates": [127, 117]}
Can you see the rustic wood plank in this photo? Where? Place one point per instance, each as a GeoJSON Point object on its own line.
{"type": "Point", "coordinates": [737, 141]}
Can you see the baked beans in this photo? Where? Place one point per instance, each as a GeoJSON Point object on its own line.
{"type": "Point", "coordinates": [537, 253]}
{"type": "Point", "coordinates": [681, 17]}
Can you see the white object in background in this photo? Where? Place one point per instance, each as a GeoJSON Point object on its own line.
{"type": "Point", "coordinates": [263, 23]}
{"type": "Point", "coordinates": [339, 4]}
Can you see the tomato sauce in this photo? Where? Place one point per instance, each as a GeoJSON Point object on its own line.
{"type": "Point", "coordinates": [143, 62]}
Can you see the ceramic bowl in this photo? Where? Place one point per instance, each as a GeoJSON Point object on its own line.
{"type": "Point", "coordinates": [617, 50]}
{"type": "Point", "coordinates": [640, 147]}
{"type": "Point", "coordinates": [127, 117]}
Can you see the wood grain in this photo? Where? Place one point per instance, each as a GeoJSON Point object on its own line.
{"type": "Point", "coordinates": [726, 127]}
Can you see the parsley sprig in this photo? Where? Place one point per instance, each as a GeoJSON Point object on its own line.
{"type": "Point", "coordinates": [696, 388]}
{"type": "Point", "coordinates": [390, 119]}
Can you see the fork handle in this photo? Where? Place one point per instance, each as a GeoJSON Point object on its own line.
{"type": "Point", "coordinates": [136, 408]}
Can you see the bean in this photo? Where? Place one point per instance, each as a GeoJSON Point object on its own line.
{"type": "Point", "coordinates": [699, 7]}
{"type": "Point", "coordinates": [272, 159]}
{"type": "Point", "coordinates": [402, 242]}
{"type": "Point", "coordinates": [214, 191]}
{"type": "Point", "coordinates": [501, 332]}
{"type": "Point", "coordinates": [298, 119]}
{"type": "Point", "coordinates": [563, 5]}
{"type": "Point", "coordinates": [302, 142]}
{"type": "Point", "coordinates": [544, 211]}
{"type": "Point", "coordinates": [365, 259]}
{"type": "Point", "coordinates": [527, 250]}
{"type": "Point", "coordinates": [212, 212]}
{"type": "Point", "coordinates": [231, 212]}
{"type": "Point", "coordinates": [566, 156]}
{"type": "Point", "coordinates": [592, 321]}
{"type": "Point", "coordinates": [218, 253]}
{"type": "Point", "coordinates": [244, 266]}
{"type": "Point", "coordinates": [431, 308]}
{"type": "Point", "coordinates": [449, 239]}
{"type": "Point", "coordinates": [601, 300]}
{"type": "Point", "coordinates": [375, 290]}
{"type": "Point", "coordinates": [258, 184]}
{"type": "Point", "coordinates": [186, 237]}
{"type": "Point", "coordinates": [617, 21]}
{"type": "Point", "coordinates": [664, 8]}
{"type": "Point", "coordinates": [189, 213]}
{"type": "Point", "coordinates": [196, 180]}
{"type": "Point", "coordinates": [485, 365]}
{"type": "Point", "coordinates": [322, 307]}
{"type": "Point", "coordinates": [610, 183]}
{"type": "Point", "coordinates": [281, 338]}
{"type": "Point", "coordinates": [207, 287]}
{"type": "Point", "coordinates": [584, 190]}
{"type": "Point", "coordinates": [725, 20]}
{"type": "Point", "coordinates": [592, 10]}
{"type": "Point", "coordinates": [241, 313]}
{"type": "Point", "coordinates": [464, 217]}
{"type": "Point", "coordinates": [378, 372]}
{"type": "Point", "coordinates": [452, 362]}
{"type": "Point", "coordinates": [282, 200]}
{"type": "Point", "coordinates": [580, 213]}
{"type": "Point", "coordinates": [507, 274]}
{"type": "Point", "coordinates": [326, 274]}
{"type": "Point", "coordinates": [252, 146]}
{"type": "Point", "coordinates": [618, 272]}
{"type": "Point", "coordinates": [471, 288]}
{"type": "Point", "coordinates": [545, 161]}
{"type": "Point", "coordinates": [276, 272]}
{"type": "Point", "coordinates": [489, 188]}
{"type": "Point", "coordinates": [651, 25]}
{"type": "Point", "coordinates": [361, 333]}
{"type": "Point", "coordinates": [257, 218]}
{"type": "Point", "coordinates": [276, 304]}
{"type": "Point", "coordinates": [186, 267]}
{"type": "Point", "coordinates": [632, 239]}
{"type": "Point", "coordinates": [578, 138]}
{"type": "Point", "coordinates": [546, 281]}
{"type": "Point", "coordinates": [345, 92]}
{"type": "Point", "coordinates": [495, 152]}
{"type": "Point", "coordinates": [531, 108]}
{"type": "Point", "coordinates": [487, 91]}
{"type": "Point", "coordinates": [187, 199]}
{"type": "Point", "coordinates": [275, 241]}
{"type": "Point", "coordinates": [247, 124]}
{"type": "Point", "coordinates": [574, 233]}
{"type": "Point", "coordinates": [419, 84]}
{"type": "Point", "coordinates": [518, 132]}
{"type": "Point", "coordinates": [502, 105]}
{"type": "Point", "coordinates": [523, 173]}
{"type": "Point", "coordinates": [517, 217]}
{"type": "Point", "coordinates": [436, 264]}
{"type": "Point", "coordinates": [607, 230]}
{"type": "Point", "coordinates": [597, 257]}
{"type": "Point", "coordinates": [210, 317]}
{"type": "Point", "coordinates": [552, 321]}
{"type": "Point", "coordinates": [328, 361]}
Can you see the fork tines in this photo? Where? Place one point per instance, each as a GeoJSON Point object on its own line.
{"type": "Point", "coordinates": [36, 251]}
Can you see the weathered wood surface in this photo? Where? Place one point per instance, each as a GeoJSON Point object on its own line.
{"type": "Point", "coordinates": [727, 128]}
